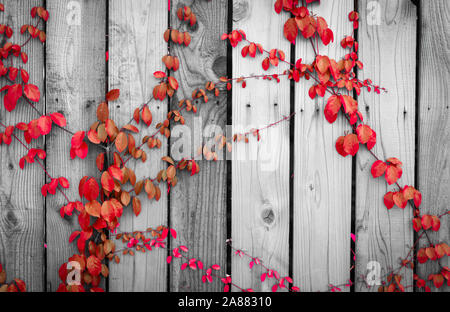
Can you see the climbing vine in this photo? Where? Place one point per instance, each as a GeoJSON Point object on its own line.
{"type": "Point", "coordinates": [107, 194]}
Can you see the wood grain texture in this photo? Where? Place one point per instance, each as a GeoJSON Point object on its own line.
{"type": "Point", "coordinates": [136, 46]}
{"type": "Point", "coordinates": [260, 170]}
{"type": "Point", "coordinates": [75, 84]}
{"type": "Point", "coordinates": [322, 178]}
{"type": "Point", "coordinates": [434, 121]}
{"type": "Point", "coordinates": [388, 51]}
{"type": "Point", "coordinates": [198, 203]}
{"type": "Point", "coordinates": [21, 204]}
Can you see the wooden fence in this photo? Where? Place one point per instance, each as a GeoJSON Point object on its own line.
{"type": "Point", "coordinates": [299, 215]}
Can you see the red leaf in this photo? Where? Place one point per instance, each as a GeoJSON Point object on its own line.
{"type": "Point", "coordinates": [25, 76]}
{"type": "Point", "coordinates": [73, 236]}
{"type": "Point", "coordinates": [113, 95]}
{"type": "Point", "coordinates": [32, 92]}
{"type": "Point", "coordinates": [77, 139]}
{"type": "Point", "coordinates": [107, 211]}
{"type": "Point", "coordinates": [417, 224]}
{"type": "Point", "coordinates": [435, 223]}
{"type": "Point", "coordinates": [91, 189]}
{"type": "Point", "coordinates": [400, 200]}
{"type": "Point", "coordinates": [290, 30]}
{"type": "Point", "coordinates": [378, 169]}
{"type": "Point", "coordinates": [332, 109]}
{"type": "Point", "coordinates": [364, 133]}
{"type": "Point", "coordinates": [393, 173]}
{"type": "Point", "coordinates": [59, 119]}
{"type": "Point", "coordinates": [340, 146]}
{"type": "Point", "coordinates": [146, 116]}
{"type": "Point", "coordinates": [351, 144]}
{"type": "Point", "coordinates": [94, 265]}
{"type": "Point", "coordinates": [45, 125]}
{"type": "Point", "coordinates": [107, 182]}
{"type": "Point", "coordinates": [116, 172]}
{"type": "Point", "coordinates": [426, 222]}
{"type": "Point", "coordinates": [12, 96]}
{"type": "Point", "coordinates": [159, 74]}
{"type": "Point", "coordinates": [389, 200]}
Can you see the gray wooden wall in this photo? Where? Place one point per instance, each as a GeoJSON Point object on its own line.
{"type": "Point", "coordinates": [295, 210]}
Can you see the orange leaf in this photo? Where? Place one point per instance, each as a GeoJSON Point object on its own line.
{"type": "Point", "coordinates": [100, 161]}
{"type": "Point", "coordinates": [364, 133]}
{"type": "Point", "coordinates": [107, 181]}
{"type": "Point", "coordinates": [147, 116]}
{"type": "Point", "coordinates": [102, 112]}
{"type": "Point", "coordinates": [136, 206]}
{"type": "Point", "coordinates": [107, 211]}
{"type": "Point", "coordinates": [393, 173]}
{"type": "Point", "coordinates": [121, 142]}
{"type": "Point", "coordinates": [93, 208]}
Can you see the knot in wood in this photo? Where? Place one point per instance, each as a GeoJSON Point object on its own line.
{"type": "Point", "coordinates": [268, 215]}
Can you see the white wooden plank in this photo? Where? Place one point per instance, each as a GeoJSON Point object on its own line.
{"type": "Point", "coordinates": [136, 46]}
{"type": "Point", "coordinates": [21, 204]}
{"type": "Point", "coordinates": [260, 184]}
{"type": "Point", "coordinates": [388, 51]}
{"type": "Point", "coordinates": [75, 84]}
{"type": "Point", "coordinates": [434, 123]}
{"type": "Point", "coordinates": [322, 178]}
{"type": "Point", "coordinates": [198, 203]}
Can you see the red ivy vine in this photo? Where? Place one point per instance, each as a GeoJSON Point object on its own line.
{"type": "Point", "coordinates": [104, 196]}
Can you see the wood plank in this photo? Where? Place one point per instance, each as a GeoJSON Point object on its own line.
{"type": "Point", "coordinates": [260, 183]}
{"type": "Point", "coordinates": [434, 122]}
{"type": "Point", "coordinates": [21, 204]}
{"type": "Point", "coordinates": [388, 51]}
{"type": "Point", "coordinates": [76, 75]}
{"type": "Point", "coordinates": [322, 178]}
{"type": "Point", "coordinates": [198, 203]}
{"type": "Point", "coordinates": [136, 47]}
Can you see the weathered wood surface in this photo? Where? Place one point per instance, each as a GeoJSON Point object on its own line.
{"type": "Point", "coordinates": [75, 84]}
{"type": "Point", "coordinates": [322, 178]}
{"type": "Point", "coordinates": [198, 203]}
{"type": "Point", "coordinates": [136, 46]}
{"type": "Point", "coordinates": [434, 121]}
{"type": "Point", "coordinates": [260, 170]}
{"type": "Point", "coordinates": [73, 76]}
{"type": "Point", "coordinates": [388, 28]}
{"type": "Point", "coordinates": [22, 207]}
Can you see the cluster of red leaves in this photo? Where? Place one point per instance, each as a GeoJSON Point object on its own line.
{"type": "Point", "coordinates": [401, 197]}
{"type": "Point", "coordinates": [41, 126]}
{"type": "Point", "coordinates": [17, 285]}
{"type": "Point", "coordinates": [105, 201]}
{"type": "Point", "coordinates": [427, 222]}
{"type": "Point", "coordinates": [303, 22]}
{"type": "Point", "coordinates": [15, 91]}
{"type": "Point", "coordinates": [178, 37]}
{"type": "Point", "coordinates": [391, 169]}
{"type": "Point", "coordinates": [186, 14]}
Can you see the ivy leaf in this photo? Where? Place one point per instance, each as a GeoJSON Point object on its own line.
{"type": "Point", "coordinates": [59, 119]}
{"type": "Point", "coordinates": [32, 92]}
{"type": "Point", "coordinates": [121, 142]}
{"type": "Point", "coordinates": [290, 30]}
{"type": "Point", "coordinates": [94, 265]}
{"type": "Point", "coordinates": [91, 189]}
{"type": "Point", "coordinates": [378, 168]}
{"type": "Point", "coordinates": [113, 95]}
